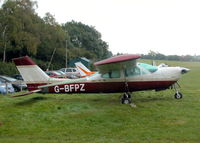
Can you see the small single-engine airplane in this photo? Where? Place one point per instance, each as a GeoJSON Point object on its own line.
{"type": "Point", "coordinates": [116, 74]}
{"type": "Point", "coordinates": [83, 70]}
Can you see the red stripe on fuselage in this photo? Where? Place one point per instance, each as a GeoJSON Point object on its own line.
{"type": "Point", "coordinates": [109, 87]}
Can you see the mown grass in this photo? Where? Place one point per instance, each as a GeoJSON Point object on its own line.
{"type": "Point", "coordinates": [97, 118]}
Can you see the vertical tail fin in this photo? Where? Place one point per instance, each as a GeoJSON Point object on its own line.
{"type": "Point", "coordinates": [31, 73]}
{"type": "Point", "coordinates": [84, 71]}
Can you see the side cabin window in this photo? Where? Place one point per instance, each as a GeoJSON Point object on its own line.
{"type": "Point", "coordinates": [112, 74]}
{"type": "Point", "coordinates": [134, 71]}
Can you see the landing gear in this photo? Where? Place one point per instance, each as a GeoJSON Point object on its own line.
{"type": "Point", "coordinates": [126, 98]}
{"type": "Point", "coordinates": [178, 95]}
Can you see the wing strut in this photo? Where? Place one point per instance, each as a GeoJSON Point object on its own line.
{"type": "Point", "coordinates": [27, 93]}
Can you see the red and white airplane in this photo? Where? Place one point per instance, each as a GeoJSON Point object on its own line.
{"type": "Point", "coordinates": [117, 74]}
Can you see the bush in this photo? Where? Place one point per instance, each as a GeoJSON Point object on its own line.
{"type": "Point", "coordinates": [8, 68]}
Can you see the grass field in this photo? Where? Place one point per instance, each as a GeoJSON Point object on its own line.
{"type": "Point", "coordinates": [100, 118]}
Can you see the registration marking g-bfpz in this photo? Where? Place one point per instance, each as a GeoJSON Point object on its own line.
{"type": "Point", "coordinates": [70, 88]}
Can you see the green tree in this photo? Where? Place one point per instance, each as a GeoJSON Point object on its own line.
{"type": "Point", "coordinates": [52, 37]}
{"type": "Point", "coordinates": [18, 16]}
{"type": "Point", "coordinates": [23, 32]}
{"type": "Point", "coordinates": [86, 38]}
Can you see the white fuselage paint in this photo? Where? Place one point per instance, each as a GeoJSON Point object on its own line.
{"type": "Point", "coordinates": [32, 74]}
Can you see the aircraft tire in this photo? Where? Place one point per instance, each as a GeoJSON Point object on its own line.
{"type": "Point", "coordinates": [126, 99]}
{"type": "Point", "coordinates": [178, 95]}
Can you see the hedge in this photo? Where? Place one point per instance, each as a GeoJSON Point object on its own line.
{"type": "Point", "coordinates": [8, 69]}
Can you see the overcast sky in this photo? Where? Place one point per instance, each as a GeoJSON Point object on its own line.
{"type": "Point", "coordinates": [135, 26]}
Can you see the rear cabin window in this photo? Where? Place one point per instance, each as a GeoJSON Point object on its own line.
{"type": "Point", "coordinates": [112, 74]}
{"type": "Point", "coordinates": [132, 71]}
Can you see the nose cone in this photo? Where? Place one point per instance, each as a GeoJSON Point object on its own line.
{"type": "Point", "coordinates": [184, 70]}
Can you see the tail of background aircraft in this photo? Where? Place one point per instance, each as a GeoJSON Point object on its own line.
{"type": "Point", "coordinates": [32, 74]}
{"type": "Point", "coordinates": [84, 71]}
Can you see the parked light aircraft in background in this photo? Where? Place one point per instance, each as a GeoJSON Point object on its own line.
{"type": "Point", "coordinates": [117, 74]}
{"type": "Point", "coordinates": [83, 70]}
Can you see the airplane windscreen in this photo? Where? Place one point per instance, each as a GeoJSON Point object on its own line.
{"type": "Point", "coordinates": [148, 67]}
{"type": "Point", "coordinates": [140, 69]}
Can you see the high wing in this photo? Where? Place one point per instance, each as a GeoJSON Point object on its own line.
{"type": "Point", "coordinates": [117, 63]}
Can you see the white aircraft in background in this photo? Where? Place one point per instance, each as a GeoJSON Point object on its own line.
{"type": "Point", "coordinates": [83, 70]}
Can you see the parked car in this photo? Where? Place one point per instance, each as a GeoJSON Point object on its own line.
{"type": "Point", "coordinates": [71, 72]}
{"type": "Point", "coordinates": [61, 72]}
{"type": "Point", "coordinates": [17, 76]}
{"type": "Point", "coordinates": [17, 84]}
{"type": "Point", "coordinates": [6, 87]}
{"type": "Point", "coordinates": [56, 74]}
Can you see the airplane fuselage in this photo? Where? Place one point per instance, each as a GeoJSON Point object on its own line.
{"type": "Point", "coordinates": [116, 74]}
{"type": "Point", "coordinates": [163, 78]}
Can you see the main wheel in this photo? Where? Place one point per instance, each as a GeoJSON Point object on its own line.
{"type": "Point", "coordinates": [125, 101]}
{"type": "Point", "coordinates": [178, 95]}
{"type": "Point", "coordinates": [126, 98]}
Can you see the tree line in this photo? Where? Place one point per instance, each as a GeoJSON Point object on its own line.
{"type": "Point", "coordinates": [23, 32]}
{"type": "Point", "coordinates": [158, 56]}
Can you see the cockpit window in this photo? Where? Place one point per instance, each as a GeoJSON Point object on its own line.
{"type": "Point", "coordinates": [112, 74]}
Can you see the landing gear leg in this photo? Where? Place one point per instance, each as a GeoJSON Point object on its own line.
{"type": "Point", "coordinates": [177, 95]}
{"type": "Point", "coordinates": [126, 98]}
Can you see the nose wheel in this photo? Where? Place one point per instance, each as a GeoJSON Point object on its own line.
{"type": "Point", "coordinates": [178, 95]}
